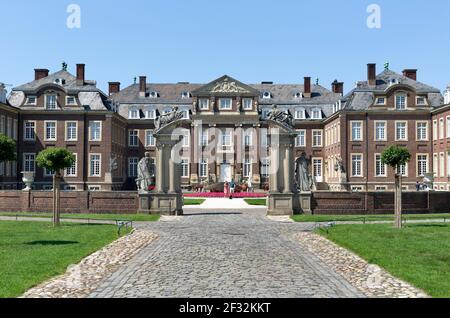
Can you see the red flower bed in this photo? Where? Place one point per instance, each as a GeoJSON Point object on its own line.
{"type": "Point", "coordinates": [221, 195]}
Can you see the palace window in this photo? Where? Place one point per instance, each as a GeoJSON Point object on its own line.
{"type": "Point", "coordinates": [422, 165]}
{"type": "Point", "coordinates": [186, 138]}
{"type": "Point", "coordinates": [203, 103]}
{"type": "Point", "coordinates": [226, 139]}
{"type": "Point", "coordinates": [71, 131]}
{"type": "Point", "coordinates": [356, 127]}
{"type": "Point", "coordinates": [247, 168]}
{"type": "Point", "coordinates": [316, 113]}
{"type": "Point", "coordinates": [300, 140]}
{"type": "Point", "coordinates": [380, 168]}
{"type": "Point", "coordinates": [185, 168]}
{"type": "Point", "coordinates": [71, 100]}
{"type": "Point", "coordinates": [203, 168]}
{"type": "Point", "coordinates": [356, 165]}
{"type": "Point", "coordinates": [248, 138]}
{"type": "Point", "coordinates": [72, 171]}
{"type": "Point", "coordinates": [133, 113]}
{"type": "Point", "coordinates": [95, 165]}
{"type": "Point", "coordinates": [448, 127]}
{"type": "Point", "coordinates": [403, 170]}
{"type": "Point", "coordinates": [401, 130]}
{"type": "Point", "coordinates": [317, 138]}
{"type": "Point", "coordinates": [48, 173]}
{"type": "Point", "coordinates": [435, 130]}
{"type": "Point", "coordinates": [265, 168]}
{"type": "Point", "coordinates": [400, 101]}
{"type": "Point", "coordinates": [380, 130]}
{"type": "Point", "coordinates": [317, 169]}
{"type": "Point", "coordinates": [50, 130]}
{"type": "Point", "coordinates": [50, 102]}
{"type": "Point", "coordinates": [133, 138]}
{"type": "Point", "coordinates": [150, 114]}
{"type": "Point", "coordinates": [95, 130]}
{"type": "Point", "coordinates": [29, 163]}
{"type": "Point", "coordinates": [31, 100]}
{"type": "Point", "coordinates": [149, 138]}
{"type": "Point", "coordinates": [225, 103]}
{"type": "Point", "coordinates": [204, 138]}
{"type": "Point", "coordinates": [132, 167]}
{"type": "Point", "coordinates": [422, 131]}
{"type": "Point", "coordinates": [247, 103]}
{"type": "Point", "coordinates": [442, 164]}
{"type": "Point", "coordinates": [441, 128]}
{"type": "Point", "coordinates": [421, 101]}
{"type": "Point", "coordinates": [380, 101]}
{"type": "Point", "coordinates": [435, 164]}
{"type": "Point", "coordinates": [30, 130]}
{"type": "Point", "coordinates": [300, 113]}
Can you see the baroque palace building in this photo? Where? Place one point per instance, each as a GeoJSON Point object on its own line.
{"type": "Point", "coordinates": [343, 136]}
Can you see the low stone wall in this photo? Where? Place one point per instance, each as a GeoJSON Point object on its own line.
{"type": "Point", "coordinates": [71, 201]}
{"type": "Point", "coordinates": [323, 202]}
{"type": "Point", "coordinates": [379, 202]}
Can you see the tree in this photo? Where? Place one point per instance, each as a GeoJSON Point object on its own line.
{"type": "Point", "coordinates": [56, 160]}
{"type": "Point", "coordinates": [7, 149]}
{"type": "Point", "coordinates": [396, 156]}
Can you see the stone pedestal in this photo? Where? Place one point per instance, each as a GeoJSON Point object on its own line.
{"type": "Point", "coordinates": [305, 202]}
{"type": "Point", "coordinates": [160, 203]}
{"type": "Point", "coordinates": [283, 204]}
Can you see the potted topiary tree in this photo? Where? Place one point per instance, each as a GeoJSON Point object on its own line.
{"type": "Point", "coordinates": [56, 160]}
{"type": "Point", "coordinates": [396, 156]}
{"type": "Point", "coordinates": [7, 149]}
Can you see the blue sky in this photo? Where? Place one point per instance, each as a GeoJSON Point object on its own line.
{"type": "Point", "coordinates": [200, 40]}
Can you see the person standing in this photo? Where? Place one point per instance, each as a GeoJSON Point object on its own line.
{"type": "Point", "coordinates": [226, 189]}
{"type": "Point", "coordinates": [232, 188]}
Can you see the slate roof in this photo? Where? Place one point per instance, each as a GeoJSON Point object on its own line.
{"type": "Point", "coordinates": [363, 96]}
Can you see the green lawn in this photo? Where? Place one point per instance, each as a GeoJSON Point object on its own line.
{"type": "Point", "coordinates": [262, 202]}
{"type": "Point", "coordinates": [121, 217]}
{"type": "Point", "coordinates": [194, 201]}
{"type": "Point", "coordinates": [33, 252]}
{"type": "Point", "coordinates": [418, 254]}
{"type": "Point", "coordinates": [331, 218]}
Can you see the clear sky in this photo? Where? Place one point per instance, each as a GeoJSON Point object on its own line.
{"type": "Point", "coordinates": [200, 40]}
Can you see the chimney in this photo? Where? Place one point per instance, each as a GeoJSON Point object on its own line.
{"type": "Point", "coordinates": [114, 88]}
{"type": "Point", "coordinates": [410, 73]}
{"type": "Point", "coordinates": [372, 74]}
{"type": "Point", "coordinates": [142, 86]}
{"type": "Point", "coordinates": [307, 87]}
{"type": "Point", "coordinates": [337, 87]}
{"type": "Point", "coordinates": [80, 74]}
{"type": "Point", "coordinates": [40, 73]}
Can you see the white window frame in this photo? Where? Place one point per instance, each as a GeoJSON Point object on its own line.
{"type": "Point", "coordinates": [203, 163]}
{"type": "Point", "coordinates": [67, 137]}
{"type": "Point", "coordinates": [149, 111]}
{"type": "Point", "coordinates": [435, 164]}
{"type": "Point", "coordinates": [313, 162]}
{"type": "Point", "coordinates": [406, 167]}
{"type": "Point", "coordinates": [382, 166]}
{"type": "Point", "coordinates": [225, 99]}
{"type": "Point", "coordinates": [248, 136]}
{"type": "Point", "coordinates": [425, 101]}
{"type": "Point", "coordinates": [100, 130]}
{"type": "Point", "coordinates": [397, 136]}
{"type": "Point", "coordinates": [133, 137]}
{"type": "Point", "coordinates": [27, 102]}
{"type": "Point", "coordinates": [68, 172]}
{"type": "Point", "coordinates": [186, 140]}
{"type": "Point", "coordinates": [224, 134]}
{"type": "Point", "coordinates": [384, 122]}
{"type": "Point", "coordinates": [131, 111]}
{"type": "Point", "coordinates": [247, 168]}
{"type": "Point", "coordinates": [185, 164]}
{"type": "Point", "coordinates": [427, 167]}
{"type": "Point", "coordinates": [25, 161]}
{"type": "Point", "coordinates": [132, 161]}
{"type": "Point", "coordinates": [442, 164]}
{"type": "Point", "coordinates": [442, 128]}
{"type": "Point", "coordinates": [314, 111]}
{"type": "Point", "coordinates": [74, 101]}
{"type": "Point", "coordinates": [300, 113]}
{"type": "Point", "coordinates": [46, 96]}
{"type": "Point", "coordinates": [25, 130]}
{"type": "Point", "coordinates": [405, 95]}
{"type": "Point", "coordinates": [265, 167]}
{"type": "Point", "coordinates": [419, 136]}
{"type": "Point", "coordinates": [298, 139]}
{"type": "Point", "coordinates": [202, 106]}
{"type": "Point", "coordinates": [448, 126]}
{"type": "Point", "coordinates": [361, 130]}
{"type": "Point", "coordinates": [46, 136]}
{"type": "Point", "coordinates": [246, 106]}
{"type": "Point", "coordinates": [204, 138]}
{"type": "Point", "coordinates": [94, 188]}
{"type": "Point", "coordinates": [148, 133]}
{"type": "Point", "coordinates": [313, 131]}
{"type": "Point", "coordinates": [377, 101]}
{"type": "Point", "coordinates": [48, 173]}
{"type": "Point", "coordinates": [99, 174]}
{"type": "Point", "coordinates": [361, 165]}
{"type": "Point", "coordinates": [435, 130]}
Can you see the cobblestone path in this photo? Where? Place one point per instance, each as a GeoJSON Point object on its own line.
{"type": "Point", "coordinates": [225, 255]}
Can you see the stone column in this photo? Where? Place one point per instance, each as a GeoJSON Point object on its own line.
{"type": "Point", "coordinates": [288, 167]}
{"type": "Point", "coordinates": [159, 169]}
{"type": "Point", "coordinates": [274, 169]}
{"type": "Point", "coordinates": [172, 176]}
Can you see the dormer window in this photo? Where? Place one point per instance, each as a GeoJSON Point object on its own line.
{"type": "Point", "coordinates": [153, 95]}
{"type": "Point", "coordinates": [203, 103]}
{"type": "Point", "coordinates": [133, 114]}
{"type": "Point", "coordinates": [298, 95]}
{"type": "Point", "coordinates": [185, 113]}
{"type": "Point", "coordinates": [380, 101]}
{"type": "Point", "coordinates": [300, 113]}
{"type": "Point", "coordinates": [267, 95]}
{"type": "Point", "coordinates": [50, 102]}
{"type": "Point", "coordinates": [421, 101]}
{"type": "Point", "coordinates": [185, 95]}
{"type": "Point", "coordinates": [400, 101]}
{"type": "Point", "coordinates": [393, 81]}
{"type": "Point", "coordinates": [316, 113]}
{"type": "Point", "coordinates": [150, 114]}
{"type": "Point", "coordinates": [265, 113]}
{"type": "Point", "coordinates": [31, 100]}
{"type": "Point", "coordinates": [70, 100]}
{"type": "Point", "coordinates": [60, 81]}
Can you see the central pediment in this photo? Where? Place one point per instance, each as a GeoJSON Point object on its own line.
{"type": "Point", "coordinates": [225, 85]}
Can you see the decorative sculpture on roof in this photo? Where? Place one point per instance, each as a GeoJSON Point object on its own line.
{"type": "Point", "coordinates": [386, 66]}
{"type": "Point", "coordinates": [170, 117]}
{"type": "Point", "coordinates": [284, 118]}
{"type": "Point", "coordinates": [64, 66]}
{"type": "Point", "coordinates": [228, 87]}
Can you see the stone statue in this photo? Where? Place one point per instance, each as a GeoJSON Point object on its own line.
{"type": "Point", "coordinates": [280, 116]}
{"type": "Point", "coordinates": [168, 118]}
{"type": "Point", "coordinates": [302, 177]}
{"type": "Point", "coordinates": [144, 168]}
{"type": "Point", "coordinates": [113, 166]}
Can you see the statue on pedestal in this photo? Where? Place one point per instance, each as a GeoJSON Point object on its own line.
{"type": "Point", "coordinates": [302, 176]}
{"type": "Point", "coordinates": [144, 178]}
